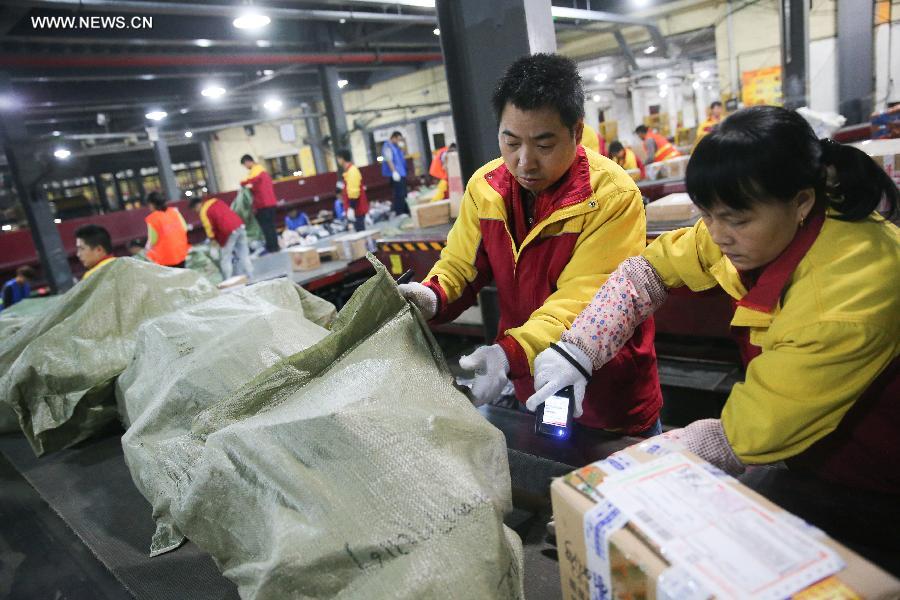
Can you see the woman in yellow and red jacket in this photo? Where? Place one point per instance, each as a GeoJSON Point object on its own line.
{"type": "Point", "coordinates": [547, 223]}
{"type": "Point", "coordinates": [790, 233]}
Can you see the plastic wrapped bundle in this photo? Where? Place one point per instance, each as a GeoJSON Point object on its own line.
{"type": "Point", "coordinates": [57, 372]}
{"type": "Point", "coordinates": [207, 351]}
{"type": "Point", "coordinates": [352, 469]}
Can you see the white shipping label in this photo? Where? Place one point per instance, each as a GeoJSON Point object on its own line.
{"type": "Point", "coordinates": [599, 523]}
{"type": "Point", "coordinates": [726, 542]}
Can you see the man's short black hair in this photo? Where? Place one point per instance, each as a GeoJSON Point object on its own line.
{"type": "Point", "coordinates": [157, 201]}
{"type": "Point", "coordinates": [714, 104]}
{"type": "Point", "coordinates": [344, 154]}
{"type": "Point", "coordinates": [137, 243]}
{"type": "Point", "coordinates": [93, 236]}
{"type": "Point", "coordinates": [542, 81]}
{"type": "Point", "coordinates": [640, 129]}
{"type": "Point", "coordinates": [615, 147]}
{"type": "Point", "coordinates": [396, 134]}
{"type": "Point", "coordinates": [195, 200]}
{"type": "Point", "coordinates": [245, 158]}
{"type": "Point", "coordinates": [26, 271]}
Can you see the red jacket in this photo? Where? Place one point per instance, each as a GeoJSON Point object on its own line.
{"type": "Point", "coordinates": [219, 220]}
{"type": "Point", "coordinates": [263, 189]}
{"type": "Point", "coordinates": [547, 273]}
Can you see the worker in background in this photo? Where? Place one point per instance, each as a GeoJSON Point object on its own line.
{"type": "Point", "coordinates": [93, 247]}
{"type": "Point", "coordinates": [226, 229]}
{"type": "Point", "coordinates": [259, 182]}
{"type": "Point", "coordinates": [438, 170]}
{"type": "Point", "coordinates": [136, 247]}
{"type": "Point", "coordinates": [167, 242]}
{"type": "Point", "coordinates": [591, 140]}
{"type": "Point", "coordinates": [789, 231]}
{"type": "Point", "coordinates": [19, 287]}
{"type": "Point", "coordinates": [295, 219]}
{"type": "Point", "coordinates": [547, 222]}
{"type": "Point", "coordinates": [626, 158]}
{"type": "Point", "coordinates": [656, 147]}
{"type": "Point", "coordinates": [393, 165]}
{"type": "Point", "coordinates": [353, 192]}
{"type": "Point", "coordinates": [712, 121]}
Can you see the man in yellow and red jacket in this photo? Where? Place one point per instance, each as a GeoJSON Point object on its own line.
{"type": "Point", "coordinates": [547, 222]}
{"type": "Point", "coordinates": [260, 184]}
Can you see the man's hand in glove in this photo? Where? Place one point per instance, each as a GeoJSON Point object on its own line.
{"type": "Point", "coordinates": [422, 297]}
{"type": "Point", "coordinates": [491, 367]}
{"type": "Point", "coordinates": [395, 176]}
{"type": "Point", "coordinates": [556, 367]}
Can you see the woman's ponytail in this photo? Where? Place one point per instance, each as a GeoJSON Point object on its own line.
{"type": "Point", "coordinates": [857, 185]}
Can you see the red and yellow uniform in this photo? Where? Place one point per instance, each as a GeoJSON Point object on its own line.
{"type": "Point", "coordinates": [705, 128]}
{"type": "Point", "coordinates": [219, 221]}
{"type": "Point", "coordinates": [167, 235]}
{"type": "Point", "coordinates": [263, 189]}
{"type": "Point", "coordinates": [630, 163]}
{"type": "Point", "coordinates": [592, 141]}
{"type": "Point", "coordinates": [664, 149]}
{"type": "Point", "coordinates": [354, 191]}
{"type": "Point", "coordinates": [821, 342]}
{"type": "Point", "coordinates": [97, 267]}
{"type": "Point", "coordinates": [546, 273]}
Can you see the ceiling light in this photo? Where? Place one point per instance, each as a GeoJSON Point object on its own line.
{"type": "Point", "coordinates": [600, 77]}
{"type": "Point", "coordinates": [342, 21]}
{"type": "Point", "coordinates": [342, 83]}
{"type": "Point", "coordinates": [157, 115]}
{"type": "Point", "coordinates": [204, 189]}
{"type": "Point", "coordinates": [272, 104]}
{"type": "Point", "coordinates": [188, 134]}
{"type": "Point", "coordinates": [596, 97]}
{"type": "Point", "coordinates": [189, 193]}
{"type": "Point", "coordinates": [298, 173]}
{"type": "Point", "coordinates": [148, 77]}
{"type": "Point", "coordinates": [663, 92]}
{"type": "Point", "coordinates": [62, 153]}
{"type": "Point", "coordinates": [650, 49]}
{"type": "Point", "coordinates": [263, 43]}
{"type": "Point", "coordinates": [268, 72]}
{"type": "Point", "coordinates": [203, 43]}
{"type": "Point", "coordinates": [56, 134]}
{"type": "Point", "coordinates": [6, 228]}
{"type": "Point", "coordinates": [380, 159]}
{"type": "Point", "coordinates": [661, 75]}
{"type": "Point", "coordinates": [437, 31]}
{"type": "Point", "coordinates": [696, 85]}
{"type": "Point", "coordinates": [57, 221]}
{"type": "Point", "coordinates": [251, 21]}
{"type": "Point", "coordinates": [213, 91]}
{"type": "Point", "coordinates": [704, 74]}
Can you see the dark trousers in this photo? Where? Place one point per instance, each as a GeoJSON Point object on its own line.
{"type": "Point", "coordinates": [359, 224]}
{"type": "Point", "coordinates": [266, 219]}
{"type": "Point", "coordinates": [867, 522]}
{"type": "Point", "coordinates": [399, 205]}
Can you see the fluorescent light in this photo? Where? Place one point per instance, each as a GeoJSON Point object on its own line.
{"type": "Point", "coordinates": [437, 31]}
{"type": "Point", "coordinates": [596, 97]}
{"type": "Point", "coordinates": [661, 75]}
{"type": "Point", "coordinates": [57, 221]}
{"type": "Point", "coordinates": [263, 43]}
{"type": "Point", "coordinates": [203, 43]}
{"type": "Point", "coordinates": [268, 72]}
{"type": "Point", "coordinates": [62, 153]}
{"type": "Point", "coordinates": [342, 83]}
{"type": "Point", "coordinates": [183, 111]}
{"type": "Point", "coordinates": [380, 159]}
{"type": "Point", "coordinates": [650, 49]}
{"type": "Point", "coordinates": [298, 173]}
{"type": "Point", "coordinates": [342, 21]}
{"type": "Point", "coordinates": [696, 85]}
{"type": "Point", "coordinates": [663, 92]}
{"type": "Point", "coordinates": [204, 189]}
{"type": "Point", "coordinates": [251, 21]}
{"type": "Point", "coordinates": [56, 134]}
{"type": "Point", "coordinates": [213, 91]}
{"type": "Point", "coordinates": [6, 228]}
{"type": "Point", "coordinates": [157, 115]}
{"type": "Point", "coordinates": [188, 134]}
{"type": "Point", "coordinates": [272, 104]}
{"type": "Point", "coordinates": [704, 74]}
{"type": "Point", "coordinates": [189, 193]}
{"type": "Point", "coordinates": [600, 77]}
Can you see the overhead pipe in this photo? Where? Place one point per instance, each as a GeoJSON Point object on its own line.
{"type": "Point", "coordinates": [178, 60]}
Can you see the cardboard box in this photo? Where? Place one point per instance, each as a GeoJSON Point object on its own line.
{"type": "Point", "coordinates": [457, 186]}
{"type": "Point", "coordinates": [674, 207]}
{"type": "Point", "coordinates": [351, 246]}
{"type": "Point", "coordinates": [657, 522]}
{"type": "Point", "coordinates": [430, 214]}
{"type": "Point", "coordinates": [886, 153]}
{"type": "Point", "coordinates": [304, 258]}
{"type": "Point", "coordinates": [675, 168]}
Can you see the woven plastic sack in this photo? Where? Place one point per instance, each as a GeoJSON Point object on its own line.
{"type": "Point", "coordinates": [207, 351]}
{"type": "Point", "coordinates": [352, 469]}
{"type": "Point", "coordinates": [57, 372]}
{"type": "Point", "coordinates": [199, 260]}
{"type": "Point", "coordinates": [14, 318]}
{"type": "Point", "coordinates": [243, 206]}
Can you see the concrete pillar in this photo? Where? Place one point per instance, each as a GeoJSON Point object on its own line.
{"type": "Point", "coordinates": [314, 136]}
{"type": "Point", "coordinates": [164, 164]}
{"type": "Point", "coordinates": [855, 49]}
{"type": "Point", "coordinates": [212, 180]}
{"type": "Point", "coordinates": [334, 106]}
{"type": "Point", "coordinates": [795, 52]}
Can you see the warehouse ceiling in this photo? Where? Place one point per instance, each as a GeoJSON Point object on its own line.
{"type": "Point", "coordinates": [99, 81]}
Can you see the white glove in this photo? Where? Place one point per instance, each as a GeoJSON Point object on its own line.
{"type": "Point", "coordinates": [340, 185]}
{"type": "Point", "coordinates": [422, 297]}
{"type": "Point", "coordinates": [351, 214]}
{"type": "Point", "coordinates": [553, 372]}
{"type": "Point", "coordinates": [490, 366]}
{"type": "Point", "coordinates": [395, 176]}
